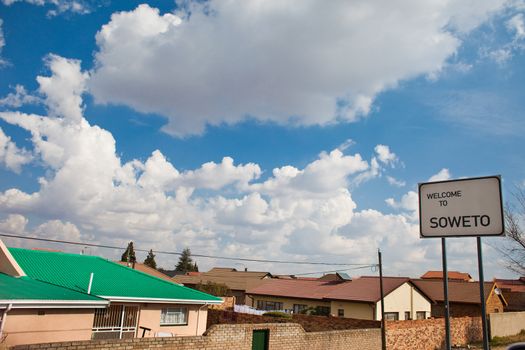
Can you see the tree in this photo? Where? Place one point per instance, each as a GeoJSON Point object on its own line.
{"type": "Point", "coordinates": [129, 254]}
{"type": "Point", "coordinates": [513, 249]}
{"type": "Point", "coordinates": [217, 289]}
{"type": "Point", "coordinates": [185, 263]}
{"type": "Point", "coordinates": [150, 260]}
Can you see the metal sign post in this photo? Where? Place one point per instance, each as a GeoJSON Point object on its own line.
{"type": "Point", "coordinates": [383, 323]}
{"type": "Point", "coordinates": [482, 295]}
{"type": "Point", "coordinates": [445, 292]}
{"type": "Point", "coordinates": [462, 208]}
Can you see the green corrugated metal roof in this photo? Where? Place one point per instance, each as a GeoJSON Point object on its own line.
{"type": "Point", "coordinates": [110, 279]}
{"type": "Point", "coordinates": [26, 288]}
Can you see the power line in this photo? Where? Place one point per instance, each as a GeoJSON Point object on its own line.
{"type": "Point", "coordinates": [335, 271]}
{"type": "Point", "coordinates": [177, 253]}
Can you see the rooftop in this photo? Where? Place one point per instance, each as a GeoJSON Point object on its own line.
{"type": "Point", "coordinates": [452, 275]}
{"type": "Point", "coordinates": [25, 290]}
{"type": "Point", "coordinates": [110, 280]}
{"type": "Point", "coordinates": [363, 289]}
{"type": "Point", "coordinates": [235, 280]}
{"type": "Point", "coordinates": [458, 292]}
{"type": "Point", "coordinates": [517, 285]}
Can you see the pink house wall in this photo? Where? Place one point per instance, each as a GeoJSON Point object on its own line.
{"type": "Point", "coordinates": [150, 317]}
{"type": "Point", "coordinates": [27, 326]}
{"type": "Point", "coordinates": [33, 326]}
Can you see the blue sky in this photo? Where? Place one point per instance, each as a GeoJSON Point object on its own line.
{"type": "Point", "coordinates": [328, 116]}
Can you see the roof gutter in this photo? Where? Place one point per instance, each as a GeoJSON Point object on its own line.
{"type": "Point", "coordinates": [159, 300]}
{"type": "Point", "coordinates": [2, 321]}
{"type": "Point", "coordinates": [53, 304]}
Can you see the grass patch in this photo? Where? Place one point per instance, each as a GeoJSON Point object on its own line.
{"type": "Point", "coordinates": [499, 341]}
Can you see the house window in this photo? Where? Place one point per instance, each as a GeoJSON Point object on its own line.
{"type": "Point", "coordinates": [407, 315]}
{"type": "Point", "coordinates": [341, 312]}
{"type": "Point", "coordinates": [297, 308]}
{"type": "Point", "coordinates": [391, 316]}
{"type": "Point", "coordinates": [421, 315]}
{"type": "Point", "coordinates": [173, 316]}
{"type": "Point", "coordinates": [269, 305]}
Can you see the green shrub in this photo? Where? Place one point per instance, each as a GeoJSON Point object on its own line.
{"type": "Point", "coordinates": [278, 314]}
{"type": "Point", "coordinates": [217, 289]}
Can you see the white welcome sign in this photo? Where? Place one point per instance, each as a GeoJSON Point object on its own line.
{"type": "Point", "coordinates": [461, 208]}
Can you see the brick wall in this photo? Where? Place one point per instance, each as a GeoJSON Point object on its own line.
{"type": "Point", "coordinates": [430, 334]}
{"type": "Point", "coordinates": [286, 336]}
{"type": "Point", "coordinates": [227, 304]}
{"type": "Point", "coordinates": [494, 304]}
{"type": "Point", "coordinates": [401, 335]}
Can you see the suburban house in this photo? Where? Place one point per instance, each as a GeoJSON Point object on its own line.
{"type": "Point", "coordinates": [37, 312]}
{"type": "Point", "coordinates": [359, 298]}
{"type": "Point", "coordinates": [514, 293]}
{"type": "Point", "coordinates": [32, 311]}
{"type": "Point", "coordinates": [464, 298]}
{"type": "Point", "coordinates": [237, 281]}
{"type": "Point", "coordinates": [452, 276]}
{"type": "Point", "coordinates": [139, 304]}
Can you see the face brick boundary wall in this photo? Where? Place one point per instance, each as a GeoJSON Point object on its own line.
{"type": "Point", "coordinates": [401, 335]}
{"type": "Point", "coordinates": [430, 334]}
{"type": "Point", "coordinates": [285, 336]}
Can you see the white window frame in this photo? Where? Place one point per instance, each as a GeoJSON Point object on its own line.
{"type": "Point", "coordinates": [392, 316]}
{"type": "Point", "coordinates": [165, 314]}
{"type": "Point", "coordinates": [419, 313]}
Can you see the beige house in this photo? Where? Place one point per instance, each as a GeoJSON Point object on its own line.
{"type": "Point", "coordinates": [359, 298]}
{"type": "Point", "coordinates": [53, 296]}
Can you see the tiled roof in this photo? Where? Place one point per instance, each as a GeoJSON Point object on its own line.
{"type": "Point", "coordinates": [295, 288]}
{"type": "Point", "coordinates": [110, 280]}
{"type": "Point", "coordinates": [226, 271]}
{"type": "Point", "coordinates": [363, 289]}
{"type": "Point", "coordinates": [25, 289]}
{"type": "Point", "coordinates": [458, 292]}
{"type": "Point", "coordinates": [514, 285]}
{"type": "Point", "coordinates": [235, 280]}
{"type": "Point", "coordinates": [146, 269]}
{"type": "Point", "coordinates": [515, 300]}
{"type": "Point", "coordinates": [366, 289]}
{"type": "Point", "coordinates": [452, 275]}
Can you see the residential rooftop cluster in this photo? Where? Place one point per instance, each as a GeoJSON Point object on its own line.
{"type": "Point", "coordinates": [105, 299]}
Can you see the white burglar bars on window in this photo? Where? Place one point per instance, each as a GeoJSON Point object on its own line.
{"type": "Point", "coordinates": [115, 322]}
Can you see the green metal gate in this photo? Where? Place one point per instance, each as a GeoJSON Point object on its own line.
{"type": "Point", "coordinates": [260, 339]}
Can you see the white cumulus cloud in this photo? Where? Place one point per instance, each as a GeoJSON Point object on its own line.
{"type": "Point", "coordinates": [63, 90]}
{"type": "Point", "coordinates": [19, 98]}
{"type": "Point", "coordinates": [2, 43]}
{"type": "Point", "coordinates": [385, 155]}
{"type": "Point", "coordinates": [442, 175]}
{"type": "Point", "coordinates": [517, 25]}
{"type": "Point", "coordinates": [291, 62]}
{"type": "Point", "coordinates": [11, 156]}
{"type": "Point", "coordinates": [58, 6]}
{"type": "Point", "coordinates": [89, 194]}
